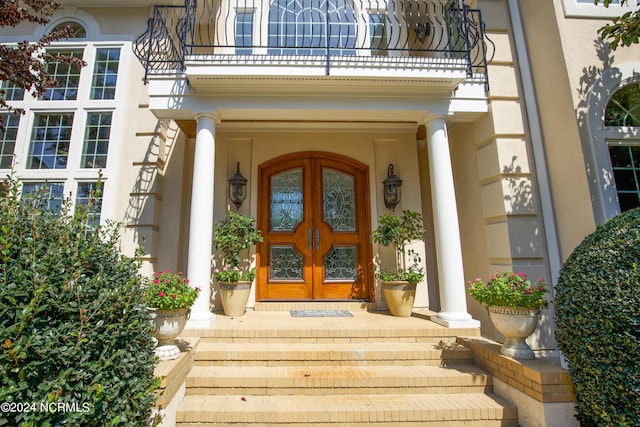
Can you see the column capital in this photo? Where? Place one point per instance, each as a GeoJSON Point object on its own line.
{"type": "Point", "coordinates": [427, 118]}
{"type": "Point", "coordinates": [213, 115]}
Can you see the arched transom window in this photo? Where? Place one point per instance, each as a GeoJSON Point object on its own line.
{"type": "Point", "coordinates": [77, 30]}
{"type": "Point", "coordinates": [308, 27]}
{"type": "Point", "coordinates": [623, 109]}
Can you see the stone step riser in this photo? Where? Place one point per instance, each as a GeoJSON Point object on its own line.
{"type": "Point", "coordinates": [270, 390]}
{"type": "Point", "coordinates": [337, 380]}
{"type": "Point", "coordinates": [330, 358]}
{"type": "Point", "coordinates": [307, 339]}
{"type": "Point", "coordinates": [298, 363]}
{"type": "Point", "coordinates": [410, 409]}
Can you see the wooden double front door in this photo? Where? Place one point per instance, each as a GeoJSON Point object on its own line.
{"type": "Point", "coordinates": [314, 215]}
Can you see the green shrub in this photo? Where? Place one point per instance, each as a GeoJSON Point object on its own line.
{"type": "Point", "coordinates": [76, 344]}
{"type": "Point", "coordinates": [597, 308]}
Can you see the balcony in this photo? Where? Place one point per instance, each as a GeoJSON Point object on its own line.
{"type": "Point", "coordinates": [416, 47]}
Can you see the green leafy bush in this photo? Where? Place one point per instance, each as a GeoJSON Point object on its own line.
{"type": "Point", "coordinates": [76, 345]}
{"type": "Point", "coordinates": [597, 307]}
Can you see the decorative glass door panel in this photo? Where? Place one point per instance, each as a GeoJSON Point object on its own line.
{"type": "Point", "coordinates": [314, 216]}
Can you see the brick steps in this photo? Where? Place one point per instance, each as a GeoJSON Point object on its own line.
{"type": "Point", "coordinates": [350, 380]}
{"type": "Point", "coordinates": [331, 354]}
{"type": "Point", "coordinates": [468, 409]}
{"type": "Point", "coordinates": [267, 368]}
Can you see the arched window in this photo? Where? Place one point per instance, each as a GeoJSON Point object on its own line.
{"type": "Point", "coordinates": [77, 30]}
{"type": "Point", "coordinates": [308, 27]}
{"type": "Point", "coordinates": [623, 109]}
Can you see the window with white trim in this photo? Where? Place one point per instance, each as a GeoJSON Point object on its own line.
{"type": "Point", "coordinates": [587, 9]}
{"type": "Point", "coordinates": [623, 110]}
{"type": "Point", "coordinates": [8, 139]}
{"type": "Point", "coordinates": [244, 33]}
{"type": "Point", "coordinates": [63, 140]}
{"type": "Point", "coordinates": [67, 76]}
{"type": "Point", "coordinates": [52, 197]}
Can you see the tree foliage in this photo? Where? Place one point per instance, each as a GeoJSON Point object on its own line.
{"type": "Point", "coordinates": [624, 30]}
{"type": "Point", "coordinates": [75, 344]}
{"type": "Point", "coordinates": [24, 64]}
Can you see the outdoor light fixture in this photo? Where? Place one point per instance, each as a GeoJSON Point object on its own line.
{"type": "Point", "coordinates": [391, 189]}
{"type": "Point", "coordinates": [237, 188]}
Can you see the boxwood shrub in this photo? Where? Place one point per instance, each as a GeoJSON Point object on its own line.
{"type": "Point", "coordinates": [597, 307]}
{"type": "Point", "coordinates": [76, 347]}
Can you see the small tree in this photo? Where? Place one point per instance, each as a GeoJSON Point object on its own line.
{"type": "Point", "coordinates": [75, 330]}
{"type": "Point", "coordinates": [624, 30]}
{"type": "Point", "coordinates": [25, 64]}
{"type": "Point", "coordinates": [398, 232]}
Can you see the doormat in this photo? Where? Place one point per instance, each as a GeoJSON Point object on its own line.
{"type": "Point", "coordinates": [320, 313]}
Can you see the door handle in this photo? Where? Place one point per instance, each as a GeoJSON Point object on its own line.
{"type": "Point", "coordinates": [317, 239]}
{"type": "Point", "coordinates": [309, 238]}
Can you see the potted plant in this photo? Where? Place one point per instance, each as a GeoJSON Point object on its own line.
{"type": "Point", "coordinates": [514, 305]}
{"type": "Point", "coordinates": [169, 299]}
{"type": "Point", "coordinates": [399, 286]}
{"type": "Point", "coordinates": [234, 234]}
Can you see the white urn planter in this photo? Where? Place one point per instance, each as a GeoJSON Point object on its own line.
{"type": "Point", "coordinates": [167, 326]}
{"type": "Point", "coordinates": [516, 325]}
{"type": "Point", "coordinates": [400, 296]}
{"type": "Point", "coordinates": [234, 297]}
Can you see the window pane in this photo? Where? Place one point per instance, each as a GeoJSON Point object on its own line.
{"type": "Point", "coordinates": [68, 77]}
{"type": "Point", "coordinates": [286, 200]}
{"type": "Point", "coordinates": [96, 140]}
{"type": "Point", "coordinates": [90, 194]}
{"type": "Point", "coordinates": [105, 73]}
{"type": "Point", "coordinates": [8, 139]}
{"type": "Point", "coordinates": [378, 35]}
{"type": "Point", "coordinates": [52, 193]}
{"type": "Point", "coordinates": [11, 91]}
{"type": "Point", "coordinates": [300, 27]}
{"type": "Point", "coordinates": [244, 33]}
{"type": "Point", "coordinates": [50, 141]}
{"type": "Point", "coordinates": [625, 161]}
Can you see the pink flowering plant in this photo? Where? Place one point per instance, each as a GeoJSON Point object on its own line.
{"type": "Point", "coordinates": [170, 291]}
{"type": "Point", "coordinates": [509, 289]}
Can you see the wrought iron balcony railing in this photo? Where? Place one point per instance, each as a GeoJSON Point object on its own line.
{"type": "Point", "coordinates": [276, 30]}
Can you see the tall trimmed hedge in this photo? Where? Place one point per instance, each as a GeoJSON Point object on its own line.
{"type": "Point", "coordinates": [76, 345]}
{"type": "Point", "coordinates": [598, 317]}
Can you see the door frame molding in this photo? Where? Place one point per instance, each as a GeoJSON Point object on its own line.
{"type": "Point", "coordinates": [367, 268]}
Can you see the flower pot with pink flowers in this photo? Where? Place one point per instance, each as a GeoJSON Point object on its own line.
{"type": "Point", "coordinates": [169, 299]}
{"type": "Point", "coordinates": [233, 236]}
{"type": "Point", "coordinates": [514, 304]}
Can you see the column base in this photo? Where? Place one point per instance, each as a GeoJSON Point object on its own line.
{"type": "Point", "coordinates": [452, 323]}
{"type": "Point", "coordinates": [201, 323]}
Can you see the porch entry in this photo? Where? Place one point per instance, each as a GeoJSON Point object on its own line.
{"type": "Point", "coordinates": [313, 210]}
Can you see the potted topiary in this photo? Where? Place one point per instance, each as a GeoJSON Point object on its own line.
{"type": "Point", "coordinates": [399, 287]}
{"type": "Point", "coordinates": [514, 304]}
{"type": "Point", "coordinates": [169, 299]}
{"type": "Point", "coordinates": [234, 234]}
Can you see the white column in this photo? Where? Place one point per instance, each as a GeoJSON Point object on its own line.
{"type": "Point", "coordinates": [453, 302]}
{"type": "Point", "coordinates": [201, 221]}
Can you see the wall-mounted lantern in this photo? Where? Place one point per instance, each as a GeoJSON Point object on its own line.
{"type": "Point", "coordinates": [391, 189]}
{"type": "Point", "coordinates": [237, 188]}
